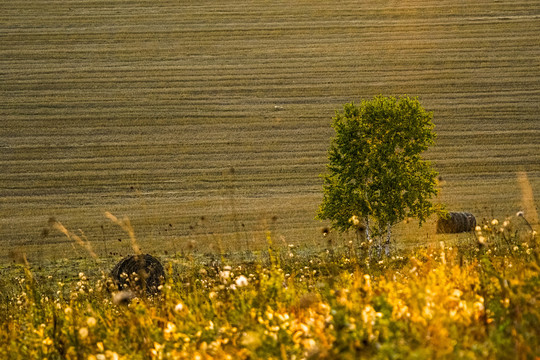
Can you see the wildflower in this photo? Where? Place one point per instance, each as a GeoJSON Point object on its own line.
{"type": "Point", "coordinates": [457, 293]}
{"type": "Point", "coordinates": [354, 220]}
{"type": "Point", "coordinates": [310, 345]}
{"type": "Point", "coordinates": [367, 281]}
{"type": "Point", "coordinates": [91, 321]}
{"type": "Point", "coordinates": [241, 281]}
{"type": "Point", "coordinates": [83, 332]}
{"type": "Point", "coordinates": [369, 315]}
{"type": "Point", "coordinates": [47, 341]}
{"type": "Point", "coordinates": [494, 222]}
{"type": "Point", "coordinates": [169, 330]}
{"type": "Point", "coordinates": [481, 240]}
{"type": "Point", "coordinates": [100, 346]}
{"type": "Point", "coordinates": [157, 350]}
{"type": "Point", "coordinates": [282, 317]}
{"type": "Point", "coordinates": [225, 275]}
{"type": "Point", "coordinates": [111, 355]}
{"type": "Point", "coordinates": [68, 311]}
{"type": "Point", "coordinates": [519, 214]}
{"type": "Point", "coordinates": [179, 307]}
{"type": "Point", "coordinates": [478, 306]}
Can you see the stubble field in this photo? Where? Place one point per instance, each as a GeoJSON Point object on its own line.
{"type": "Point", "coordinates": [207, 123]}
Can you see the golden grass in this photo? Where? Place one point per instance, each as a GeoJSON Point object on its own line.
{"type": "Point", "coordinates": [527, 199]}
{"type": "Point", "coordinates": [473, 301]}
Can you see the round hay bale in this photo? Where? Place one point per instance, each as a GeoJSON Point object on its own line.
{"type": "Point", "coordinates": [456, 222]}
{"type": "Point", "coordinates": [141, 273]}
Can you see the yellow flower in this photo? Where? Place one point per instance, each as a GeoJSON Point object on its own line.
{"type": "Point", "coordinates": [368, 315]}
{"type": "Point", "coordinates": [169, 330]}
{"type": "Point", "coordinates": [354, 220]}
{"type": "Point", "coordinates": [478, 306]}
{"type": "Point", "coordinates": [158, 348]}
{"type": "Point", "coordinates": [83, 332]}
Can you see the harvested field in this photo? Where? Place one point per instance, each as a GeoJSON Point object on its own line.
{"type": "Point", "coordinates": [207, 123]}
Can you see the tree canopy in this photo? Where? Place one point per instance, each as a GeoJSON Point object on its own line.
{"type": "Point", "coordinates": [375, 170]}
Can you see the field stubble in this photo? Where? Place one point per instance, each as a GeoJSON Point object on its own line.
{"type": "Point", "coordinates": [171, 112]}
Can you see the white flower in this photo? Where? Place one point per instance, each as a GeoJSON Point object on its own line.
{"type": "Point", "coordinates": [241, 281]}
{"type": "Point", "coordinates": [224, 275]}
{"type": "Point", "coordinates": [179, 307]}
{"type": "Point", "coordinates": [91, 321]}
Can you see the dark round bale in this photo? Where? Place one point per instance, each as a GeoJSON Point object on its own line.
{"type": "Point", "coordinates": [456, 222]}
{"type": "Point", "coordinates": [139, 273]}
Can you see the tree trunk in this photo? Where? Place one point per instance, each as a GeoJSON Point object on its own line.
{"type": "Point", "coordinates": [368, 236]}
{"type": "Point", "coordinates": [387, 243]}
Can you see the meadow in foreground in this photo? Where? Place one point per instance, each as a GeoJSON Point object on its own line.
{"type": "Point", "coordinates": [471, 301]}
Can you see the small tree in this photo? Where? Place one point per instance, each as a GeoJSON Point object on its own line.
{"type": "Point", "coordinates": [375, 169]}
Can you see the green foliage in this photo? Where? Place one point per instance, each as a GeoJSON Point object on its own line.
{"type": "Point", "coordinates": [375, 168]}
